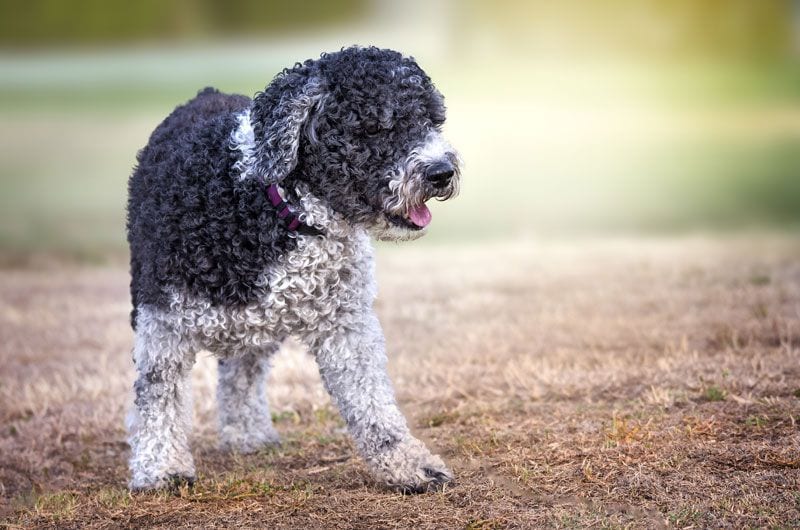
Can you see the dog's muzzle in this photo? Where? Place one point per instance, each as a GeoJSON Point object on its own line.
{"type": "Point", "coordinates": [431, 171]}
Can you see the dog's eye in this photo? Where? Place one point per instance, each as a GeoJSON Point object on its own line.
{"type": "Point", "coordinates": [371, 127]}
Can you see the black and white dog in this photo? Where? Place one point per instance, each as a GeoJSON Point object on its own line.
{"type": "Point", "coordinates": [250, 221]}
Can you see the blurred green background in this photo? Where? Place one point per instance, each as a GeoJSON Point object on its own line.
{"type": "Point", "coordinates": [573, 117]}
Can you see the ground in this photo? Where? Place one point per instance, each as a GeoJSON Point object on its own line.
{"type": "Point", "coordinates": [598, 382]}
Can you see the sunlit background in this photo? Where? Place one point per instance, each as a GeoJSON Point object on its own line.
{"type": "Point", "coordinates": [573, 117]}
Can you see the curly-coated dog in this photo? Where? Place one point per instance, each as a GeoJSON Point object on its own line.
{"type": "Point", "coordinates": [250, 221]}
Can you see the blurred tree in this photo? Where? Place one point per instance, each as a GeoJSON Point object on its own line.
{"type": "Point", "coordinates": [648, 28]}
{"type": "Point", "coordinates": [36, 23]}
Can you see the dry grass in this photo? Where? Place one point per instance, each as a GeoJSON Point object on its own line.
{"type": "Point", "coordinates": [596, 383]}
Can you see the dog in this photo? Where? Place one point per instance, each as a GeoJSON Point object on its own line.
{"type": "Point", "coordinates": [250, 221]}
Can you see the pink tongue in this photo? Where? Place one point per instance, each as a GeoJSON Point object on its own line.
{"type": "Point", "coordinates": [420, 215]}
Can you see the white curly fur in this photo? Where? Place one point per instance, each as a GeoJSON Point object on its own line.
{"type": "Point", "coordinates": [243, 140]}
{"type": "Point", "coordinates": [160, 422]}
{"type": "Point", "coordinates": [321, 292]}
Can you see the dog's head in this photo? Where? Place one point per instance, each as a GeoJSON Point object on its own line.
{"type": "Point", "coordinates": [361, 130]}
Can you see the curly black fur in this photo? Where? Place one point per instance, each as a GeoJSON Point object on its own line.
{"type": "Point", "coordinates": [377, 104]}
{"type": "Point", "coordinates": [336, 124]}
{"type": "Point", "coordinates": [191, 224]}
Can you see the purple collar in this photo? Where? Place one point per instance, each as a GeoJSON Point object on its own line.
{"type": "Point", "coordinates": [287, 214]}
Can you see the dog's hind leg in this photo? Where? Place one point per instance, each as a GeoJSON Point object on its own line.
{"type": "Point", "coordinates": [160, 422]}
{"type": "Point", "coordinates": [245, 422]}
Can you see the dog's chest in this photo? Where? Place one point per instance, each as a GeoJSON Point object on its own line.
{"type": "Point", "coordinates": [321, 285]}
{"type": "Point", "coordinates": [320, 282]}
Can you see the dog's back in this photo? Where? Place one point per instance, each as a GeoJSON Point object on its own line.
{"type": "Point", "coordinates": [193, 226]}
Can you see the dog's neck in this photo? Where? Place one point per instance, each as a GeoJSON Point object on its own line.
{"type": "Point", "coordinates": [315, 213]}
{"type": "Point", "coordinates": [309, 209]}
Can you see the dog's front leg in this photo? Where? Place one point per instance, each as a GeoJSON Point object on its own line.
{"type": "Point", "coordinates": [352, 363]}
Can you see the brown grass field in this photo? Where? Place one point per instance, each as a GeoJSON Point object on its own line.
{"type": "Point", "coordinates": [585, 383]}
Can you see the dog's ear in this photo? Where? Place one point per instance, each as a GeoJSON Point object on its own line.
{"type": "Point", "coordinates": [279, 115]}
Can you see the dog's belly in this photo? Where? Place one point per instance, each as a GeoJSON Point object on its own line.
{"type": "Point", "coordinates": [323, 285]}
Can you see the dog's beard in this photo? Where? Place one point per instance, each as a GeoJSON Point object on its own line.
{"type": "Point", "coordinates": [404, 213]}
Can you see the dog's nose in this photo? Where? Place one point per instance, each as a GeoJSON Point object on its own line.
{"type": "Point", "coordinates": [440, 173]}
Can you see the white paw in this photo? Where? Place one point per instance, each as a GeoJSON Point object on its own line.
{"type": "Point", "coordinates": [162, 480]}
{"type": "Point", "coordinates": [410, 468]}
{"type": "Point", "coordinates": [159, 464]}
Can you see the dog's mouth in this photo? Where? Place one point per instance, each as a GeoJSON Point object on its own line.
{"type": "Point", "coordinates": [416, 217]}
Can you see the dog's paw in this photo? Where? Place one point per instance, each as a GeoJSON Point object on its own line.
{"type": "Point", "coordinates": [409, 467]}
{"type": "Point", "coordinates": [245, 441]}
{"type": "Point", "coordinates": [177, 482]}
{"type": "Point", "coordinates": [172, 482]}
